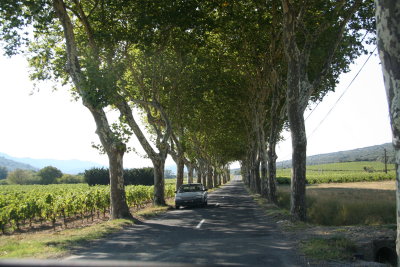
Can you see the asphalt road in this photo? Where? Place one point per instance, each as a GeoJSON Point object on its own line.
{"type": "Point", "coordinates": [232, 231]}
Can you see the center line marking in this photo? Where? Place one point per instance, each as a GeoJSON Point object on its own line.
{"type": "Point", "coordinates": [200, 224]}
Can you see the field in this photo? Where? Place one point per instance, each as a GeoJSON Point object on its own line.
{"type": "Point", "coordinates": [345, 172]}
{"type": "Point", "coordinates": [365, 203]}
{"type": "Point", "coordinates": [27, 205]}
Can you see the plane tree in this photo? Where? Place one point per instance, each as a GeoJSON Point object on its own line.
{"type": "Point", "coordinates": [79, 44]}
{"type": "Point", "coordinates": [321, 39]}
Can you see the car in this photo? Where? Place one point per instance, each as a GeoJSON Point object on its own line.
{"type": "Point", "coordinates": [194, 194]}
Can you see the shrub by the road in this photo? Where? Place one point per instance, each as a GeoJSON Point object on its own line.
{"type": "Point", "coordinates": [100, 176]}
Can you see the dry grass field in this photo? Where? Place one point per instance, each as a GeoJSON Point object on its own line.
{"type": "Point", "coordinates": [362, 203]}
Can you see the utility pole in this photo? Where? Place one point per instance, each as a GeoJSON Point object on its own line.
{"type": "Point", "coordinates": [385, 161]}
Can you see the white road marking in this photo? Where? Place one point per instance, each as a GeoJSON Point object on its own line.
{"type": "Point", "coordinates": [200, 224]}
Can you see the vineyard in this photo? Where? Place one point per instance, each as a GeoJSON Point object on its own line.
{"type": "Point", "coordinates": [361, 171]}
{"type": "Point", "coordinates": [28, 204]}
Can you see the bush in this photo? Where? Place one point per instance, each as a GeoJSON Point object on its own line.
{"type": "Point", "coordinates": [143, 176]}
{"type": "Point", "coordinates": [71, 179]}
{"type": "Point", "coordinates": [101, 176]}
{"type": "Point", "coordinates": [283, 180]}
{"type": "Point", "coordinates": [97, 176]}
{"type": "Point", "coordinates": [49, 174]}
{"type": "Point", "coordinates": [20, 176]}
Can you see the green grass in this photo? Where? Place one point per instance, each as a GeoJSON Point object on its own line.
{"type": "Point", "coordinates": [351, 166]}
{"type": "Point", "coordinates": [342, 173]}
{"type": "Point", "coordinates": [50, 245]}
{"type": "Point", "coordinates": [345, 206]}
{"type": "Point", "coordinates": [170, 181]}
{"type": "Point", "coordinates": [334, 248]}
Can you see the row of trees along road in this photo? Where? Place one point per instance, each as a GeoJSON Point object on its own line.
{"type": "Point", "coordinates": [216, 81]}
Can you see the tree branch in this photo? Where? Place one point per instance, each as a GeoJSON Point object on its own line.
{"type": "Point", "coordinates": [339, 36]}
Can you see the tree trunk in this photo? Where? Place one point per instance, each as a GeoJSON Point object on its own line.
{"type": "Point", "coordinates": [158, 159]}
{"type": "Point", "coordinates": [257, 179]}
{"type": "Point", "coordinates": [210, 183]}
{"type": "Point", "coordinates": [119, 208]}
{"type": "Point", "coordinates": [264, 173]}
{"type": "Point", "coordinates": [159, 186]}
{"type": "Point", "coordinates": [225, 175]}
{"type": "Point", "coordinates": [297, 99]}
{"type": "Point", "coordinates": [388, 33]}
{"type": "Point", "coordinates": [264, 186]}
{"type": "Point", "coordinates": [190, 173]}
{"type": "Point", "coordinates": [299, 154]}
{"type": "Point", "coordinates": [204, 176]}
{"type": "Point", "coordinates": [228, 173]}
{"type": "Point", "coordinates": [199, 174]}
{"type": "Point", "coordinates": [180, 167]}
{"type": "Point", "coordinates": [246, 171]}
{"type": "Point", "coordinates": [215, 177]}
{"type": "Point", "coordinates": [271, 172]}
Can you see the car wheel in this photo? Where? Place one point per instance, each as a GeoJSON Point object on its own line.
{"type": "Point", "coordinates": [177, 207]}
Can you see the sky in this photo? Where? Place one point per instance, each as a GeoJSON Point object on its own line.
{"type": "Point", "coordinates": [43, 123]}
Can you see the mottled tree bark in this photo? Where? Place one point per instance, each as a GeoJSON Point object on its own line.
{"type": "Point", "coordinates": [210, 182]}
{"type": "Point", "coordinates": [224, 175]}
{"type": "Point", "coordinates": [228, 174]}
{"type": "Point", "coordinates": [257, 179]}
{"type": "Point", "coordinates": [190, 173]}
{"type": "Point", "coordinates": [159, 185]}
{"type": "Point", "coordinates": [271, 172]}
{"type": "Point", "coordinates": [215, 178]}
{"type": "Point", "coordinates": [388, 33]}
{"type": "Point", "coordinates": [180, 167]}
{"type": "Point", "coordinates": [177, 153]}
{"type": "Point", "coordinates": [264, 186]}
{"type": "Point", "coordinates": [199, 176]}
{"type": "Point", "coordinates": [299, 155]}
{"type": "Point", "coordinates": [119, 208]}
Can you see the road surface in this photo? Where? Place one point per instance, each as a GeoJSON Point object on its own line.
{"type": "Point", "coordinates": [232, 231]}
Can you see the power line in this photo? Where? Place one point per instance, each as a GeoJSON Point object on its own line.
{"type": "Point", "coordinates": [334, 105]}
{"type": "Point", "coordinates": [365, 35]}
{"type": "Point", "coordinates": [351, 82]}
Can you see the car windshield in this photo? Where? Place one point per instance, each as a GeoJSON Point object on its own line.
{"type": "Point", "coordinates": [190, 188]}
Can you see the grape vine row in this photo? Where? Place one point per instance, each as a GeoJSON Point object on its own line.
{"type": "Point", "coordinates": [20, 205]}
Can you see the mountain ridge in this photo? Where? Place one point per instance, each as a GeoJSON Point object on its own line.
{"type": "Point", "coordinates": [73, 166]}
{"type": "Point", "coordinates": [369, 153]}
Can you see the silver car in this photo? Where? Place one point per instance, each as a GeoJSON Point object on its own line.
{"type": "Point", "coordinates": [191, 195]}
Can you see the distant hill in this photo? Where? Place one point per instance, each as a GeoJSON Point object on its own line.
{"type": "Point", "coordinates": [66, 166]}
{"type": "Point", "coordinates": [371, 153]}
{"type": "Point", "coordinates": [11, 165]}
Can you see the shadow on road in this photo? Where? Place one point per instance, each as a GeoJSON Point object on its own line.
{"type": "Point", "coordinates": [231, 230]}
